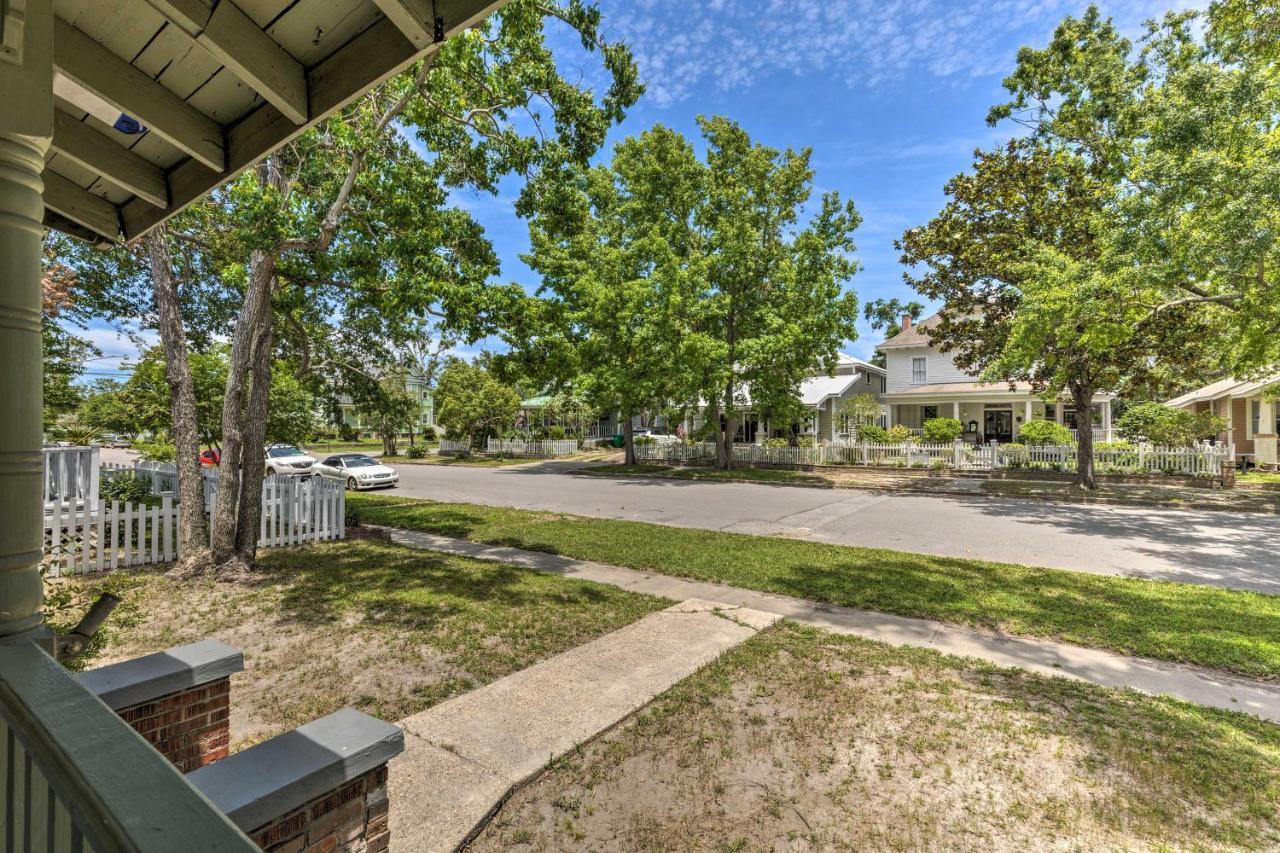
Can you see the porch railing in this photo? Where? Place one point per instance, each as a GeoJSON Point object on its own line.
{"type": "Point", "coordinates": [77, 778]}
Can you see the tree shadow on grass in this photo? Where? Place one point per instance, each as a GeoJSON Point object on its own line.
{"type": "Point", "coordinates": [390, 585]}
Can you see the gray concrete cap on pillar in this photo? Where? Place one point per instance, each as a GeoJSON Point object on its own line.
{"type": "Point", "coordinates": [132, 682]}
{"type": "Point", "coordinates": [269, 780]}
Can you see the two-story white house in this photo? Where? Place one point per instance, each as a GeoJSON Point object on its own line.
{"type": "Point", "coordinates": [821, 395]}
{"type": "Point", "coordinates": [922, 382]}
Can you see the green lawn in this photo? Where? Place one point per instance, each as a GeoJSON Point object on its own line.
{"type": "Point", "coordinates": [764, 475]}
{"type": "Point", "coordinates": [1260, 477]}
{"type": "Point", "coordinates": [837, 743]}
{"type": "Point", "coordinates": [1224, 629]}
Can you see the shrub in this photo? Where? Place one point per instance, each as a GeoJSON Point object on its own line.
{"type": "Point", "coordinates": [125, 488]}
{"type": "Point", "coordinates": [942, 429]}
{"type": "Point", "coordinates": [776, 442]}
{"type": "Point", "coordinates": [348, 433]}
{"type": "Point", "coordinates": [1045, 432]}
{"type": "Point", "coordinates": [805, 441]}
{"type": "Point", "coordinates": [415, 451]}
{"type": "Point", "coordinates": [1113, 446]}
{"type": "Point", "coordinates": [873, 433]}
{"type": "Point", "coordinates": [555, 433]}
{"type": "Point", "coordinates": [899, 434]}
{"type": "Point", "coordinates": [642, 439]}
{"type": "Point", "coordinates": [352, 515]}
{"type": "Point", "coordinates": [1162, 425]}
{"type": "Point", "coordinates": [429, 433]}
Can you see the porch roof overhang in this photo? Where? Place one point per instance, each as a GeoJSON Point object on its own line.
{"type": "Point", "coordinates": [974, 392]}
{"type": "Point", "coordinates": [209, 88]}
{"type": "Point", "coordinates": [1222, 388]}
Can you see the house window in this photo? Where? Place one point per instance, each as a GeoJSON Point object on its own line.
{"type": "Point", "coordinates": [1069, 416]}
{"type": "Point", "coordinates": [928, 413]}
{"type": "Point", "coordinates": [919, 370]}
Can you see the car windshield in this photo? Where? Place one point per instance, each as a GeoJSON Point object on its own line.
{"type": "Point", "coordinates": [284, 450]}
{"type": "Point", "coordinates": [360, 461]}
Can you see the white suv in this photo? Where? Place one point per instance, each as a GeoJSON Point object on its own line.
{"type": "Point", "coordinates": [288, 459]}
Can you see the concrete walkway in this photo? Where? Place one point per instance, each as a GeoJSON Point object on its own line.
{"type": "Point", "coordinates": [463, 757]}
{"type": "Point", "coordinates": [1108, 669]}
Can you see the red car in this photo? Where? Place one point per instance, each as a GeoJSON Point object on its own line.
{"type": "Point", "coordinates": [212, 456]}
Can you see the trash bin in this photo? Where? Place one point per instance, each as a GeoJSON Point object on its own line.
{"type": "Point", "coordinates": [619, 440]}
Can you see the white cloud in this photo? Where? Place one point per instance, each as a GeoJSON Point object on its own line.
{"type": "Point", "coordinates": [680, 44]}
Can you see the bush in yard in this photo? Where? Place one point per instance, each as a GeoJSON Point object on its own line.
{"type": "Point", "coordinates": [776, 442]}
{"type": "Point", "coordinates": [125, 488]}
{"type": "Point", "coordinates": [428, 433]}
{"type": "Point", "coordinates": [555, 433]}
{"type": "Point", "coordinates": [1159, 424]}
{"type": "Point", "coordinates": [352, 515]}
{"type": "Point", "coordinates": [159, 450]}
{"type": "Point", "coordinates": [415, 451]}
{"type": "Point", "coordinates": [643, 439]}
{"type": "Point", "coordinates": [1045, 432]}
{"type": "Point", "coordinates": [945, 430]}
{"type": "Point", "coordinates": [873, 433]}
{"type": "Point", "coordinates": [806, 441]}
{"type": "Point", "coordinates": [899, 434]}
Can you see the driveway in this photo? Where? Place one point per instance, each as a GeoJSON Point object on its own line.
{"type": "Point", "coordinates": [1238, 550]}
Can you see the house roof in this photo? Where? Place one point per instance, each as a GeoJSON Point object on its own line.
{"type": "Point", "coordinates": [816, 390]}
{"type": "Point", "coordinates": [916, 336]}
{"type": "Point", "coordinates": [845, 359]}
{"type": "Point", "coordinates": [1230, 387]}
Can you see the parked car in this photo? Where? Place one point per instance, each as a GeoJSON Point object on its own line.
{"type": "Point", "coordinates": [658, 437]}
{"type": "Point", "coordinates": [359, 471]}
{"type": "Point", "coordinates": [116, 440]}
{"type": "Point", "coordinates": [211, 456]}
{"type": "Point", "coordinates": [289, 459]}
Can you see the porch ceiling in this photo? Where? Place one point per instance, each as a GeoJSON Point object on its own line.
{"type": "Point", "coordinates": [218, 84]}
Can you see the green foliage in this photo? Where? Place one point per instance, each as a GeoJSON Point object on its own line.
{"type": "Point", "coordinates": [472, 403]}
{"type": "Point", "coordinates": [873, 433]}
{"type": "Point", "coordinates": [155, 450]}
{"type": "Point", "coordinates": [107, 407]}
{"type": "Point", "coordinates": [644, 439]}
{"type": "Point", "coordinates": [777, 442]}
{"type": "Point", "coordinates": [415, 451]}
{"type": "Point", "coordinates": [126, 488]}
{"type": "Point", "coordinates": [806, 441]}
{"type": "Point", "coordinates": [428, 433]}
{"type": "Point", "coordinates": [862, 409]}
{"type": "Point", "coordinates": [898, 434]}
{"type": "Point", "coordinates": [386, 405]}
{"type": "Point", "coordinates": [1168, 427]}
{"type": "Point", "coordinates": [1045, 432]}
{"type": "Point", "coordinates": [885, 315]}
{"type": "Point", "coordinates": [942, 429]}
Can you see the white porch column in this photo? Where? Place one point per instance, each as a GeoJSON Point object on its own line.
{"type": "Point", "coordinates": [891, 409]}
{"type": "Point", "coordinates": [26, 124]}
{"type": "Point", "coordinates": [955, 410]}
{"type": "Point", "coordinates": [1106, 420]}
{"type": "Point", "coordinates": [1026, 416]}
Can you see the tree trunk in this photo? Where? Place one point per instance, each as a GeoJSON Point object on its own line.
{"type": "Point", "coordinates": [193, 537]}
{"type": "Point", "coordinates": [628, 440]}
{"type": "Point", "coordinates": [253, 463]}
{"type": "Point", "coordinates": [257, 302]}
{"type": "Point", "coordinates": [724, 447]}
{"type": "Point", "coordinates": [1082, 397]}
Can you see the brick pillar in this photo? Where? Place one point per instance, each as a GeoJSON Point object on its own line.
{"type": "Point", "coordinates": [190, 727]}
{"type": "Point", "coordinates": [352, 818]}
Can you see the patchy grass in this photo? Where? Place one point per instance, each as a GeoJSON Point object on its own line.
{"type": "Point", "coordinates": [801, 739]}
{"type": "Point", "coordinates": [1269, 477]}
{"type": "Point", "coordinates": [1225, 629]}
{"type": "Point", "coordinates": [365, 623]}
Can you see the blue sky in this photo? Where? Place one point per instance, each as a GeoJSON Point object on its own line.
{"type": "Point", "coordinates": [891, 95]}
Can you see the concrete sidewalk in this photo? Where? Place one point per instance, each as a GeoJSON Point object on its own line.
{"type": "Point", "coordinates": [464, 756]}
{"type": "Point", "coordinates": [1193, 684]}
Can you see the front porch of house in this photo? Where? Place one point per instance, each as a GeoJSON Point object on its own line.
{"type": "Point", "coordinates": [995, 416]}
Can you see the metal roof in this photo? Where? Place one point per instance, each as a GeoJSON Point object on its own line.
{"type": "Point", "coordinates": [159, 101]}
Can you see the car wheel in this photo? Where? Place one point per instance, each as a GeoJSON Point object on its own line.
{"type": "Point", "coordinates": [351, 484]}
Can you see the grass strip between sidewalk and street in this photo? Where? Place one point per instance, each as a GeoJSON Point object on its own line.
{"type": "Point", "coordinates": [1232, 630]}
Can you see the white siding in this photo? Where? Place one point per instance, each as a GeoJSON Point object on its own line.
{"type": "Point", "coordinates": [939, 368]}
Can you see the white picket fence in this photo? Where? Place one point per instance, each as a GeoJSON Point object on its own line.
{"type": "Point", "coordinates": [452, 447]}
{"type": "Point", "coordinates": [79, 538]}
{"type": "Point", "coordinates": [538, 449]}
{"type": "Point", "coordinates": [1199, 460]}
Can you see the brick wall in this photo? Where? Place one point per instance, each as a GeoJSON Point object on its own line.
{"type": "Point", "coordinates": [190, 727]}
{"type": "Point", "coordinates": [352, 819]}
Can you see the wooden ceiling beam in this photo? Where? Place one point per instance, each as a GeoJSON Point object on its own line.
{"type": "Point", "coordinates": [99, 153]}
{"type": "Point", "coordinates": [231, 37]}
{"type": "Point", "coordinates": [97, 69]}
{"type": "Point", "coordinates": [82, 207]}
{"type": "Point", "coordinates": [414, 18]}
{"type": "Point", "coordinates": [372, 57]}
